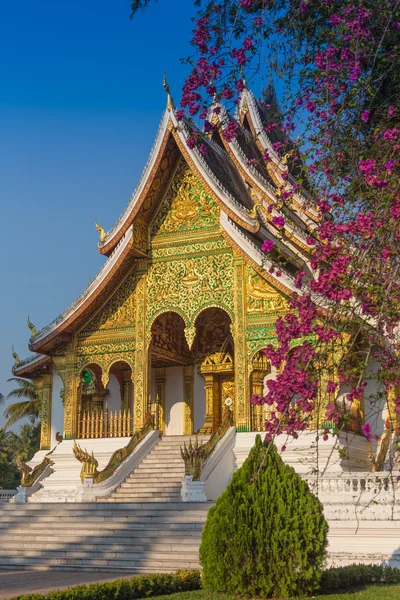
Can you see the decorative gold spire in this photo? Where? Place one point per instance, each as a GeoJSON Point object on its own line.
{"type": "Point", "coordinates": [32, 327]}
{"type": "Point", "coordinates": [16, 358]}
{"type": "Point", "coordinates": [243, 77]}
{"type": "Point", "coordinates": [170, 102]}
{"type": "Point", "coordinates": [100, 230]}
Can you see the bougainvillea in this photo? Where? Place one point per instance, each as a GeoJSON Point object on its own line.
{"type": "Point", "coordinates": [337, 62]}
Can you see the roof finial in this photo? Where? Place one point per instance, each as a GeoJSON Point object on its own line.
{"type": "Point", "coordinates": [243, 76]}
{"type": "Point", "coordinates": [170, 102]}
{"type": "Point", "coordinates": [32, 327]}
{"type": "Point", "coordinates": [101, 231]}
{"type": "Point", "coordinates": [16, 358]}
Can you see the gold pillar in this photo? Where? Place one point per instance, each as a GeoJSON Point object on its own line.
{"type": "Point", "coordinates": [209, 387]}
{"type": "Point", "coordinates": [161, 384]}
{"type": "Point", "coordinates": [257, 380]}
{"type": "Point", "coordinates": [126, 390]}
{"type": "Point", "coordinates": [66, 368]}
{"type": "Point", "coordinates": [216, 402]}
{"type": "Point", "coordinates": [44, 386]}
{"type": "Point", "coordinates": [242, 391]}
{"type": "Point", "coordinates": [140, 375]}
{"type": "Point", "coordinates": [188, 398]}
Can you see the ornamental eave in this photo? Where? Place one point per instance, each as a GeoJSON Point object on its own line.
{"type": "Point", "coordinates": [46, 338]}
{"type": "Point", "coordinates": [32, 365]}
{"type": "Point", "coordinates": [264, 143]}
{"type": "Point", "coordinates": [257, 258]}
{"type": "Point", "coordinates": [113, 236]}
{"type": "Point", "coordinates": [292, 231]}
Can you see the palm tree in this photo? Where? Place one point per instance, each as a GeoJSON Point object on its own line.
{"type": "Point", "coordinates": [26, 408]}
{"type": "Point", "coordinates": [26, 443]}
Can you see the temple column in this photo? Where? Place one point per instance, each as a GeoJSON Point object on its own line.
{"type": "Point", "coordinates": [242, 391]}
{"type": "Point", "coordinates": [216, 402]}
{"type": "Point", "coordinates": [257, 380]}
{"type": "Point", "coordinates": [161, 384]}
{"type": "Point", "coordinates": [140, 376]}
{"type": "Point", "coordinates": [126, 390]}
{"type": "Point", "coordinates": [44, 387]}
{"type": "Point", "coordinates": [188, 398]}
{"type": "Point", "coordinates": [209, 388]}
{"type": "Point", "coordinates": [66, 368]}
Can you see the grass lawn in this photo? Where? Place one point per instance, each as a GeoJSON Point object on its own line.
{"type": "Point", "coordinates": [371, 592]}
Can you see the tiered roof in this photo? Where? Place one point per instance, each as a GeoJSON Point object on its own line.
{"type": "Point", "coordinates": [236, 177]}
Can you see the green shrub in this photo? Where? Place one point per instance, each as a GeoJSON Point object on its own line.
{"type": "Point", "coordinates": [266, 534]}
{"type": "Point", "coordinates": [345, 578]}
{"type": "Point", "coordinates": [144, 586]}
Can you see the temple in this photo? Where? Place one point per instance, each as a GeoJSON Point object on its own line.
{"type": "Point", "coordinates": [146, 380]}
{"type": "Point", "coordinates": [177, 318]}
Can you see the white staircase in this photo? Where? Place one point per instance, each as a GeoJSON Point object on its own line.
{"type": "Point", "coordinates": [133, 538]}
{"type": "Point", "coordinates": [158, 477]}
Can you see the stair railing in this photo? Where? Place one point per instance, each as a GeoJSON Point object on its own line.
{"type": "Point", "coordinates": [196, 455]}
{"type": "Point", "coordinates": [90, 463]}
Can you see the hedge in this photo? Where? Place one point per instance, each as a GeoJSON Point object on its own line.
{"type": "Point", "coordinates": [144, 586]}
{"type": "Point", "coordinates": [347, 578]}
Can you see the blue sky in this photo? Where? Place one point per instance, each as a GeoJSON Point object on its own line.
{"type": "Point", "coordinates": [80, 101]}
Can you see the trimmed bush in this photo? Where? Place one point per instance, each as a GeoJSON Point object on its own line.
{"type": "Point", "coordinates": [347, 578]}
{"type": "Point", "coordinates": [267, 534]}
{"type": "Point", "coordinates": [144, 586]}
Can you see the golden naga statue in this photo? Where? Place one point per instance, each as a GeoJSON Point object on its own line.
{"type": "Point", "coordinates": [32, 327]}
{"type": "Point", "coordinates": [16, 358]}
{"type": "Point", "coordinates": [101, 231]}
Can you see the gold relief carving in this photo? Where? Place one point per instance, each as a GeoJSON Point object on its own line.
{"type": "Point", "coordinates": [160, 379]}
{"type": "Point", "coordinates": [168, 338]}
{"type": "Point", "coordinates": [66, 368]}
{"type": "Point", "coordinates": [186, 206]}
{"type": "Point", "coordinates": [242, 406]}
{"type": "Point", "coordinates": [261, 296]}
{"type": "Point", "coordinates": [188, 398]}
{"type": "Point", "coordinates": [192, 284]}
{"type": "Point", "coordinates": [140, 370]}
{"type": "Point", "coordinates": [209, 246]}
{"type": "Point", "coordinates": [190, 334]}
{"type": "Point", "coordinates": [139, 229]}
{"type": "Point", "coordinates": [213, 328]}
{"type": "Point", "coordinates": [105, 355]}
{"type": "Point", "coordinates": [43, 386]}
{"type": "Point", "coordinates": [118, 312]}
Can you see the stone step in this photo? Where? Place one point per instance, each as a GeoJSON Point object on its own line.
{"type": "Point", "coordinates": [155, 536]}
{"type": "Point", "coordinates": [143, 499]}
{"type": "Point", "coordinates": [166, 473]}
{"type": "Point", "coordinates": [156, 467]}
{"type": "Point", "coordinates": [140, 563]}
{"type": "Point", "coordinates": [129, 546]}
{"type": "Point", "coordinates": [101, 520]}
{"type": "Point", "coordinates": [102, 554]}
{"type": "Point", "coordinates": [136, 486]}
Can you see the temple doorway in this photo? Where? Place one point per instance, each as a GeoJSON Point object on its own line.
{"type": "Point", "coordinates": [191, 387]}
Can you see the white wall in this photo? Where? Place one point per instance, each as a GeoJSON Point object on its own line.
{"type": "Point", "coordinates": [113, 398]}
{"type": "Point", "coordinates": [375, 403]}
{"type": "Point", "coordinates": [57, 409]}
{"type": "Point", "coordinates": [199, 400]}
{"type": "Point", "coordinates": [174, 401]}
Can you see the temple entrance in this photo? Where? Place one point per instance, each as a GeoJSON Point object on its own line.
{"type": "Point", "coordinates": [105, 410]}
{"type": "Point", "coordinates": [191, 387]}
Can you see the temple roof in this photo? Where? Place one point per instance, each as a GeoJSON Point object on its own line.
{"type": "Point", "coordinates": [242, 188]}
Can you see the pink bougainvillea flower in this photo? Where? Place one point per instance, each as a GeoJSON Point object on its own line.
{"type": "Point", "coordinates": [267, 246]}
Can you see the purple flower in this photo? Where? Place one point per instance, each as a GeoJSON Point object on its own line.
{"type": "Point", "coordinates": [279, 222]}
{"type": "Point", "coordinates": [365, 116]}
{"type": "Point", "coordinates": [366, 431]}
{"type": "Point", "coordinates": [267, 246]}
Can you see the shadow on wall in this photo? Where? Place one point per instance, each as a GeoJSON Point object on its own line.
{"type": "Point", "coordinates": [394, 560]}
